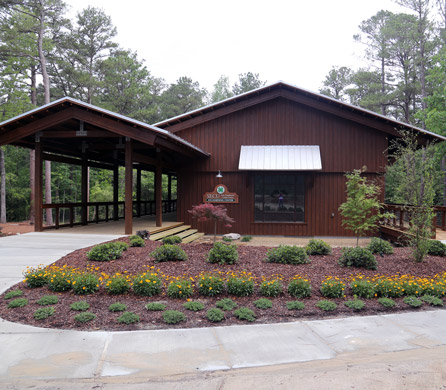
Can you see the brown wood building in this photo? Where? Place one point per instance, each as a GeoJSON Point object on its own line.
{"type": "Point", "coordinates": [283, 150]}
{"type": "Point", "coordinates": [281, 114]}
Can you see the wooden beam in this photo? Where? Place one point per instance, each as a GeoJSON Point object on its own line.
{"type": "Point", "coordinates": [75, 161]}
{"type": "Point", "coordinates": [169, 145]}
{"type": "Point", "coordinates": [84, 189]}
{"type": "Point", "coordinates": [138, 191]}
{"type": "Point", "coordinates": [10, 136]}
{"type": "Point", "coordinates": [128, 187]}
{"type": "Point", "coordinates": [141, 158]}
{"type": "Point", "coordinates": [159, 193]}
{"type": "Point", "coordinates": [38, 197]}
{"type": "Point", "coordinates": [116, 189]}
{"type": "Point", "coordinates": [73, 134]}
{"type": "Point", "coordinates": [139, 134]}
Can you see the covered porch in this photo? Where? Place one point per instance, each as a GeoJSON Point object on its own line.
{"type": "Point", "coordinates": [71, 132]}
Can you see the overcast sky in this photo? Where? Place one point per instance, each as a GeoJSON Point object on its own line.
{"type": "Point", "coordinates": [297, 41]}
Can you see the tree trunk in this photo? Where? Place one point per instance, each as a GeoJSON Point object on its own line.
{"type": "Point", "coordinates": [3, 187]}
{"type": "Point", "coordinates": [32, 154]}
{"type": "Point", "coordinates": [46, 87]}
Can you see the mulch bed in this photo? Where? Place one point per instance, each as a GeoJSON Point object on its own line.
{"type": "Point", "coordinates": [136, 260]}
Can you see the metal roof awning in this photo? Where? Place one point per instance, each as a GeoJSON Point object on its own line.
{"type": "Point", "coordinates": [280, 158]}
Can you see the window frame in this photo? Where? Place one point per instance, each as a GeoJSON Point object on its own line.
{"type": "Point", "coordinates": [274, 173]}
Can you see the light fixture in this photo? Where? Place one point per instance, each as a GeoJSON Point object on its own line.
{"type": "Point", "coordinates": [219, 174]}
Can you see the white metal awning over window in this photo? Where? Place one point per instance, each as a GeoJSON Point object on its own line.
{"type": "Point", "coordinates": [280, 158]}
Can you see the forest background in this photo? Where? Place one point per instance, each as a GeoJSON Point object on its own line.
{"type": "Point", "coordinates": [45, 56]}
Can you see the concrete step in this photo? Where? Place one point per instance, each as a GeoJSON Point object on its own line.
{"type": "Point", "coordinates": [193, 237]}
{"type": "Point", "coordinates": [169, 232]}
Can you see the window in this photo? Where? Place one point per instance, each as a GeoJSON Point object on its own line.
{"type": "Point", "coordinates": [279, 198]}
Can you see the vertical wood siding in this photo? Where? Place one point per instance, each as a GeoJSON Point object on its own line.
{"type": "Point", "coordinates": [344, 146]}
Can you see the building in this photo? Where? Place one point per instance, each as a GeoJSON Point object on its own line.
{"type": "Point", "coordinates": [282, 153]}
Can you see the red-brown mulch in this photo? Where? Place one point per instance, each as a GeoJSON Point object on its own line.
{"type": "Point", "coordinates": [136, 260]}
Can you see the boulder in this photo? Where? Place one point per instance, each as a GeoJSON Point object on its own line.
{"type": "Point", "coordinates": [232, 236]}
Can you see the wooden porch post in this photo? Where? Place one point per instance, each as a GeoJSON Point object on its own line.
{"type": "Point", "coordinates": [115, 188]}
{"type": "Point", "coordinates": [159, 193]}
{"type": "Point", "coordinates": [84, 190]}
{"type": "Point", "coordinates": [128, 186]}
{"type": "Point", "coordinates": [138, 192]}
{"type": "Point", "coordinates": [38, 211]}
{"type": "Point", "coordinates": [169, 192]}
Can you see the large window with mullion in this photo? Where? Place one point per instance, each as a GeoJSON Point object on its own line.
{"type": "Point", "coordinates": [279, 197]}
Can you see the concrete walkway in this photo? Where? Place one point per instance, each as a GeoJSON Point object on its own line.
{"type": "Point", "coordinates": [30, 354]}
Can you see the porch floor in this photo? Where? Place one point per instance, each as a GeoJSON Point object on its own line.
{"type": "Point", "coordinates": [117, 227]}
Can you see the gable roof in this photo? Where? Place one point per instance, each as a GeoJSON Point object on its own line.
{"type": "Point", "coordinates": [125, 126]}
{"type": "Point", "coordinates": [289, 91]}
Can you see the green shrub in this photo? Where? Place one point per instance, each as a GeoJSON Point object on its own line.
{"type": "Point", "coordinates": [388, 288]}
{"type": "Point", "coordinates": [147, 284]}
{"type": "Point", "coordinates": [116, 307]}
{"type": "Point", "coordinates": [47, 300]}
{"type": "Point", "coordinates": [18, 302]}
{"type": "Point", "coordinates": [431, 300]}
{"type": "Point", "coordinates": [355, 304]}
{"type": "Point", "coordinates": [357, 257]}
{"type": "Point", "coordinates": [136, 241]}
{"type": "Point", "coordinates": [173, 317]}
{"type": "Point", "coordinates": [227, 239]}
{"type": "Point", "coordinates": [223, 254]}
{"type": "Point", "coordinates": [332, 288]}
{"type": "Point", "coordinates": [226, 304]}
{"type": "Point", "coordinates": [246, 238]}
{"type": "Point", "coordinates": [211, 285]}
{"type": "Point", "coordinates": [386, 302]}
{"type": "Point", "coordinates": [363, 288]}
{"type": "Point", "coordinates": [411, 288]}
{"type": "Point", "coordinates": [378, 245]}
{"type": "Point", "coordinates": [80, 306]}
{"type": "Point", "coordinates": [286, 254]}
{"type": "Point", "coordinates": [215, 315]}
{"type": "Point", "coordinates": [436, 248]}
{"type": "Point", "coordinates": [36, 277]}
{"type": "Point", "coordinates": [156, 306]}
{"type": "Point", "coordinates": [172, 240]}
{"type": "Point", "coordinates": [84, 317]}
{"type": "Point", "coordinates": [263, 303]}
{"type": "Point", "coordinates": [245, 314]}
{"type": "Point", "coordinates": [326, 305]}
{"type": "Point", "coordinates": [44, 312]}
{"type": "Point", "coordinates": [270, 288]}
{"type": "Point", "coordinates": [413, 301]}
{"type": "Point", "coordinates": [117, 284]}
{"type": "Point", "coordinates": [318, 247]}
{"type": "Point", "coordinates": [85, 284]}
{"type": "Point", "coordinates": [193, 306]}
{"type": "Point", "coordinates": [299, 287]}
{"type": "Point", "coordinates": [181, 289]}
{"type": "Point", "coordinates": [295, 305]}
{"type": "Point", "coordinates": [128, 318]}
{"type": "Point", "coordinates": [60, 280]}
{"type": "Point", "coordinates": [168, 252]}
{"type": "Point", "coordinates": [240, 286]}
{"type": "Point", "coordinates": [107, 252]}
{"type": "Point", "coordinates": [13, 294]}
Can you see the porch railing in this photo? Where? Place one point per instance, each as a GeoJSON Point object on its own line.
{"type": "Point", "coordinates": [70, 214]}
{"type": "Point", "coordinates": [401, 217]}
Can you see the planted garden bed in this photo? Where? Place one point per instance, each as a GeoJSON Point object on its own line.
{"type": "Point", "coordinates": [172, 284]}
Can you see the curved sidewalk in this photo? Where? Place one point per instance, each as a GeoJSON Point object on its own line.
{"type": "Point", "coordinates": [29, 353]}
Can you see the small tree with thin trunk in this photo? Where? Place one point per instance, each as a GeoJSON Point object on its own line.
{"type": "Point", "coordinates": [416, 190]}
{"type": "Point", "coordinates": [361, 212]}
{"type": "Point", "coordinates": [208, 212]}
